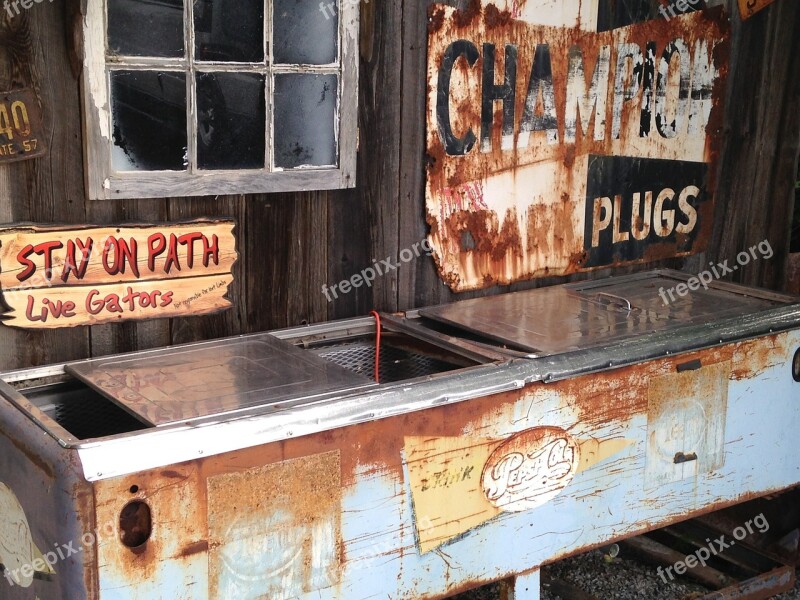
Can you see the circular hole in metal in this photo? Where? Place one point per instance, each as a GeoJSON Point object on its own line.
{"type": "Point", "coordinates": [134, 489]}
{"type": "Point", "coordinates": [796, 366]}
{"type": "Point", "coordinates": [135, 524]}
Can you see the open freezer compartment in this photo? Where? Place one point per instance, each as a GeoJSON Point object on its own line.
{"type": "Point", "coordinates": [258, 374]}
{"type": "Point", "coordinates": [77, 412]}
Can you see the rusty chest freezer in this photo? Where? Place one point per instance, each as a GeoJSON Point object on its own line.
{"type": "Point", "coordinates": [505, 433]}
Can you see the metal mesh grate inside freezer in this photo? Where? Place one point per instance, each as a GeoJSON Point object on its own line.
{"type": "Point", "coordinates": [396, 364]}
{"type": "Point", "coordinates": [82, 411]}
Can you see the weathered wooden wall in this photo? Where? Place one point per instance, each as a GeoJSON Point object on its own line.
{"type": "Point", "coordinates": [293, 244]}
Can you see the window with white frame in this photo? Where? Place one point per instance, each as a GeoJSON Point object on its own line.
{"type": "Point", "coordinates": [199, 97]}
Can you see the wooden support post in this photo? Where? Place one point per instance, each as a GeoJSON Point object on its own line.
{"type": "Point", "coordinates": [526, 587]}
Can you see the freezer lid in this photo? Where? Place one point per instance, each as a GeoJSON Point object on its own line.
{"type": "Point", "coordinates": [184, 383]}
{"type": "Point", "coordinates": [577, 316]}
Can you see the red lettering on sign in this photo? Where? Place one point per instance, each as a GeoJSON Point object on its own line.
{"type": "Point", "coordinates": [44, 249]}
{"type": "Point", "coordinates": [29, 312]}
{"type": "Point", "coordinates": [210, 251]}
{"type": "Point", "coordinates": [188, 240]}
{"type": "Point", "coordinates": [172, 255]}
{"type": "Point", "coordinates": [22, 258]}
{"type": "Point", "coordinates": [156, 244]}
{"type": "Point", "coordinates": [58, 309]}
{"type": "Point", "coordinates": [73, 264]}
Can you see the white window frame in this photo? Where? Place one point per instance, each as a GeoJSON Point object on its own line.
{"type": "Point", "coordinates": [104, 183]}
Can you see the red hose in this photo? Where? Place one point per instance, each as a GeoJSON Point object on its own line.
{"type": "Point", "coordinates": [377, 346]}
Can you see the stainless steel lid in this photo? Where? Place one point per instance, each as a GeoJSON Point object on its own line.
{"type": "Point", "coordinates": [577, 316]}
{"type": "Point", "coordinates": [214, 378]}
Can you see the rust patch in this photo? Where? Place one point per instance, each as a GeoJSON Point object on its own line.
{"type": "Point", "coordinates": [753, 357]}
{"type": "Point", "coordinates": [750, 7]}
{"type": "Point", "coordinates": [178, 508]}
{"type": "Point", "coordinates": [493, 17]}
{"type": "Point", "coordinates": [620, 394]}
{"type": "Point", "coordinates": [463, 18]}
{"type": "Point", "coordinates": [276, 530]}
{"type": "Point", "coordinates": [83, 493]}
{"type": "Point", "coordinates": [576, 261]}
{"type": "Point", "coordinates": [195, 548]}
{"type": "Point", "coordinates": [435, 18]}
{"type": "Point", "coordinates": [661, 251]}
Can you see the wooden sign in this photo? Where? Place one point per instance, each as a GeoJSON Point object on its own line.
{"type": "Point", "coordinates": [58, 277]}
{"type": "Point", "coordinates": [21, 131]}
{"type": "Point", "coordinates": [750, 7]}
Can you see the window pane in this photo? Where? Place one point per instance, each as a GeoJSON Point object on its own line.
{"type": "Point", "coordinates": [305, 114]}
{"type": "Point", "coordinates": [305, 31]}
{"type": "Point", "coordinates": [149, 112]}
{"type": "Point", "coordinates": [229, 30]}
{"type": "Point", "coordinates": [231, 121]}
{"type": "Point", "coordinates": [146, 28]}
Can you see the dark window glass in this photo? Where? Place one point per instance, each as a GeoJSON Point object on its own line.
{"type": "Point", "coordinates": [146, 28]}
{"type": "Point", "coordinates": [305, 31]}
{"type": "Point", "coordinates": [229, 30]}
{"type": "Point", "coordinates": [149, 114]}
{"type": "Point", "coordinates": [305, 113]}
{"type": "Point", "coordinates": [231, 121]}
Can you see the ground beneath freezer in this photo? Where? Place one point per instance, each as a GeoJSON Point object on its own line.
{"type": "Point", "coordinates": [616, 579]}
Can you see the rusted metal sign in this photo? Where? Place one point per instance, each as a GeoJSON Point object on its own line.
{"type": "Point", "coordinates": [750, 7]}
{"type": "Point", "coordinates": [65, 277]}
{"type": "Point", "coordinates": [558, 147]}
{"type": "Point", "coordinates": [21, 132]}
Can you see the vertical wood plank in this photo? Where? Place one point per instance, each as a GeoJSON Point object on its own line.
{"type": "Point", "coordinates": [308, 259]}
{"type": "Point", "coordinates": [50, 188]}
{"type": "Point", "coordinates": [349, 251]}
{"type": "Point", "coordinates": [381, 139]}
{"type": "Point", "coordinates": [762, 140]}
{"type": "Point", "coordinates": [364, 223]}
{"type": "Point", "coordinates": [232, 321]}
{"type": "Point", "coordinates": [286, 260]}
{"type": "Point", "coordinates": [419, 283]}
